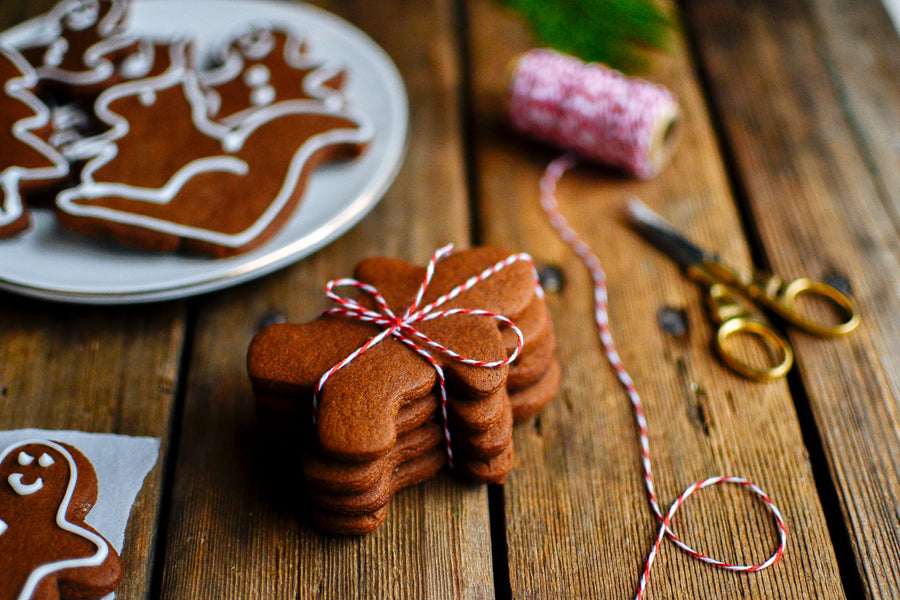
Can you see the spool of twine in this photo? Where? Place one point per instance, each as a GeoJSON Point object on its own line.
{"type": "Point", "coordinates": [594, 111]}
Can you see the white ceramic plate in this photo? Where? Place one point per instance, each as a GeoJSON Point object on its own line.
{"type": "Point", "coordinates": [51, 263]}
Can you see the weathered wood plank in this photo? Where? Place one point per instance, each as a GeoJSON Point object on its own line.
{"type": "Point", "coordinates": [102, 370]}
{"type": "Point", "coordinates": [863, 50]}
{"type": "Point", "coordinates": [235, 533]}
{"type": "Point", "coordinates": [98, 370]}
{"type": "Point", "coordinates": [578, 522]}
{"type": "Point", "coordinates": [794, 100]}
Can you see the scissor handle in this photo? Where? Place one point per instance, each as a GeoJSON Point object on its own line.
{"type": "Point", "coordinates": [783, 354]}
{"type": "Point", "coordinates": [771, 291]}
{"type": "Point", "coordinates": [784, 305]}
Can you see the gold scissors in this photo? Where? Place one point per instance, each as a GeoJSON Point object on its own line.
{"type": "Point", "coordinates": [769, 291]}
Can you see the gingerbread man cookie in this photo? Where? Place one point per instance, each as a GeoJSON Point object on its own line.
{"type": "Point", "coordinates": [26, 160]}
{"type": "Point", "coordinates": [196, 184]}
{"type": "Point", "coordinates": [47, 551]}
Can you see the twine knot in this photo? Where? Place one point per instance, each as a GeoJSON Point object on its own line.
{"type": "Point", "coordinates": [404, 329]}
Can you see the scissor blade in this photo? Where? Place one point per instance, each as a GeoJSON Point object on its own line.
{"type": "Point", "coordinates": [664, 236]}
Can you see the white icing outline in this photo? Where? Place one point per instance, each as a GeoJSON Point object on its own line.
{"type": "Point", "coordinates": [232, 66]}
{"type": "Point", "coordinates": [55, 52]}
{"type": "Point", "coordinates": [102, 545]}
{"type": "Point", "coordinates": [100, 68]}
{"type": "Point", "coordinates": [20, 88]}
{"type": "Point", "coordinates": [232, 139]}
{"type": "Point", "coordinates": [93, 146]}
{"type": "Point", "coordinates": [144, 57]}
{"type": "Point", "coordinates": [24, 489]}
{"type": "Point", "coordinates": [86, 22]}
{"type": "Point", "coordinates": [259, 48]}
{"type": "Point", "coordinates": [66, 119]}
{"type": "Point", "coordinates": [67, 116]}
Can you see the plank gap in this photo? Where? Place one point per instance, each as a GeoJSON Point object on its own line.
{"type": "Point", "coordinates": [736, 184]}
{"type": "Point", "coordinates": [499, 546]}
{"type": "Point", "coordinates": [170, 459]}
{"type": "Point", "coordinates": [467, 121]}
{"type": "Point", "coordinates": [841, 540]}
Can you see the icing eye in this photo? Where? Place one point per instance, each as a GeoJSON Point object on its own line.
{"type": "Point", "coordinates": [45, 460]}
{"type": "Point", "coordinates": [3, 526]}
{"type": "Point", "coordinates": [25, 459]}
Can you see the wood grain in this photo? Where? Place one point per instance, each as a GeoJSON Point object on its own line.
{"type": "Point", "coordinates": [578, 522]}
{"type": "Point", "coordinates": [808, 156]}
{"type": "Point", "coordinates": [95, 369]}
{"type": "Point", "coordinates": [863, 53]}
{"type": "Point", "coordinates": [237, 527]}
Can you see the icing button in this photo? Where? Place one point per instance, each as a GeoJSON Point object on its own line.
{"type": "Point", "coordinates": [3, 526]}
{"type": "Point", "coordinates": [147, 97]}
{"type": "Point", "coordinates": [262, 95]}
{"type": "Point", "coordinates": [257, 76]}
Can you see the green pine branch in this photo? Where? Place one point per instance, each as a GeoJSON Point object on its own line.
{"type": "Point", "coordinates": [614, 32]}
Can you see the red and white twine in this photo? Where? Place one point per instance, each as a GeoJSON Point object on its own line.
{"type": "Point", "coordinates": [403, 327]}
{"type": "Point", "coordinates": [594, 111]}
{"type": "Point", "coordinates": [548, 202]}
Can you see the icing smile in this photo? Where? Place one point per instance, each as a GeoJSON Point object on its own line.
{"type": "Point", "coordinates": [24, 489]}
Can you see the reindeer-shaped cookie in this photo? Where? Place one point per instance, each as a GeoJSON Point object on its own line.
{"type": "Point", "coordinates": [47, 551]}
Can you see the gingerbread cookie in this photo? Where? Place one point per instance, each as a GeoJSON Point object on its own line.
{"type": "Point", "coordinates": [208, 187]}
{"type": "Point", "coordinates": [47, 551]}
{"type": "Point", "coordinates": [26, 160]}
{"type": "Point", "coordinates": [377, 427]}
{"type": "Point", "coordinates": [80, 49]}
{"type": "Point", "coordinates": [265, 66]}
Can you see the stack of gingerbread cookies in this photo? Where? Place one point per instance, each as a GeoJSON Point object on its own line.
{"type": "Point", "coordinates": [378, 423]}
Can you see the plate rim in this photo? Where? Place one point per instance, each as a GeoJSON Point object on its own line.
{"type": "Point", "coordinates": [282, 254]}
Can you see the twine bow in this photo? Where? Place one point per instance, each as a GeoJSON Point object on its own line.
{"type": "Point", "coordinates": [403, 327]}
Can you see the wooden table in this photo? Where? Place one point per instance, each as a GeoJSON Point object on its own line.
{"type": "Point", "coordinates": [790, 160]}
